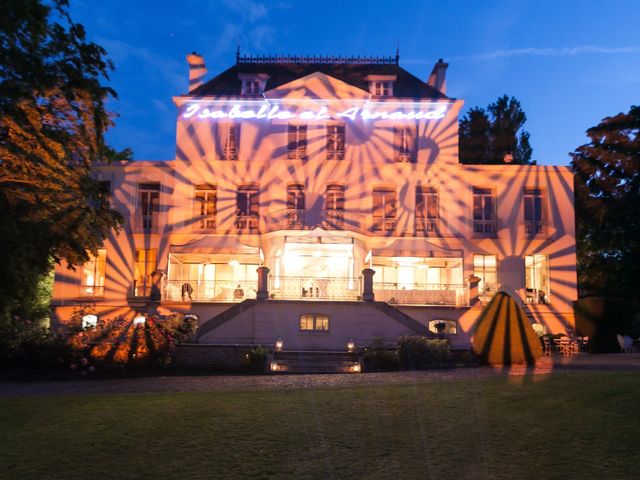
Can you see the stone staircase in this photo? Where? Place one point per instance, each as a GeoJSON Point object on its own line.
{"type": "Point", "coordinates": [314, 362]}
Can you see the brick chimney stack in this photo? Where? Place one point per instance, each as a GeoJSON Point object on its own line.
{"type": "Point", "coordinates": [438, 77]}
{"type": "Point", "coordinates": [197, 70]}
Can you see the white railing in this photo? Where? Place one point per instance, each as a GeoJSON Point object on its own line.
{"type": "Point", "coordinates": [422, 294]}
{"type": "Point", "coordinates": [305, 288]}
{"type": "Point", "coordinates": [209, 290]}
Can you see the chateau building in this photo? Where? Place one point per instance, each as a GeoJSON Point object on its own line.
{"type": "Point", "coordinates": [319, 201]}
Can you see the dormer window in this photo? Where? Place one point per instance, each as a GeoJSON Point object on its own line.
{"type": "Point", "coordinates": [252, 83]}
{"type": "Point", "coordinates": [381, 85]}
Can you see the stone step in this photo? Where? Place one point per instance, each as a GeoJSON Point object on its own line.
{"type": "Point", "coordinates": [314, 362]}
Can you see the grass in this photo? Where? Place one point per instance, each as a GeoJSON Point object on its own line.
{"type": "Point", "coordinates": [560, 426]}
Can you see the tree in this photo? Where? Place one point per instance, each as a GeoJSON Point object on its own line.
{"type": "Point", "coordinates": [607, 190]}
{"type": "Point", "coordinates": [52, 124]}
{"type": "Point", "coordinates": [486, 136]}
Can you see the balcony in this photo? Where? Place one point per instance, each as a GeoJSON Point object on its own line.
{"type": "Point", "coordinates": [225, 291]}
{"type": "Point", "coordinates": [305, 288]}
{"type": "Point", "coordinates": [383, 224]}
{"type": "Point", "coordinates": [293, 219]}
{"type": "Point", "coordinates": [435, 294]}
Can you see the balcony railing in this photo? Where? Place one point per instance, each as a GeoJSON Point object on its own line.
{"type": "Point", "coordinates": [422, 294]}
{"type": "Point", "coordinates": [427, 225]}
{"type": "Point", "coordinates": [209, 290]}
{"type": "Point", "coordinates": [293, 219]}
{"type": "Point", "coordinates": [305, 288]}
{"type": "Point", "coordinates": [247, 223]}
{"type": "Point", "coordinates": [485, 228]}
{"type": "Point", "coordinates": [533, 227]}
{"type": "Point", "coordinates": [383, 224]}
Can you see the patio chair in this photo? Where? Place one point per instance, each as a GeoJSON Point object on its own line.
{"type": "Point", "coordinates": [546, 346]}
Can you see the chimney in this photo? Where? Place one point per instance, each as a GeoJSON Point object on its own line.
{"type": "Point", "coordinates": [197, 70]}
{"type": "Point", "coordinates": [438, 79]}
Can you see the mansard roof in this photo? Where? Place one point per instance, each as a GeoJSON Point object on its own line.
{"type": "Point", "coordinates": [281, 72]}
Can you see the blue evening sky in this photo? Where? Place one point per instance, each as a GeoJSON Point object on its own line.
{"type": "Point", "coordinates": [570, 63]}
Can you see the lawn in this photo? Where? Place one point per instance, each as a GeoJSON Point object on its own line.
{"type": "Point", "coordinates": [561, 426]}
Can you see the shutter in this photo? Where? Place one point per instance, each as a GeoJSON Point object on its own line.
{"type": "Point", "coordinates": [340, 141]}
{"type": "Point", "coordinates": [397, 143]}
{"type": "Point", "coordinates": [302, 141]}
{"type": "Point", "coordinates": [292, 142]}
{"type": "Point", "coordinates": [412, 143]}
{"type": "Point", "coordinates": [420, 203]}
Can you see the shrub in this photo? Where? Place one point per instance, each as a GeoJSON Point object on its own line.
{"type": "Point", "coordinates": [256, 359]}
{"type": "Point", "coordinates": [504, 335]}
{"type": "Point", "coordinates": [380, 360]}
{"type": "Point", "coordinates": [419, 353]}
{"type": "Point", "coordinates": [602, 319]}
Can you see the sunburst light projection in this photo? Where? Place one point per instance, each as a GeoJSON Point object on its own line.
{"type": "Point", "coordinates": [316, 197]}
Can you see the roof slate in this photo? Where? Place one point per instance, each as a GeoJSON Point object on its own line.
{"type": "Point", "coordinates": [405, 86]}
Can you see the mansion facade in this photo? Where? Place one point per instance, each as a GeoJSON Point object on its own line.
{"type": "Point", "coordinates": [319, 201]}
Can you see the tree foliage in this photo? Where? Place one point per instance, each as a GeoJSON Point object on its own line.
{"type": "Point", "coordinates": [487, 135]}
{"type": "Point", "coordinates": [52, 123]}
{"type": "Point", "coordinates": [607, 190]}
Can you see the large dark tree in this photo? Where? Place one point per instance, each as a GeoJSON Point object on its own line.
{"type": "Point", "coordinates": [608, 207]}
{"type": "Point", "coordinates": [487, 135]}
{"type": "Point", "coordinates": [52, 124]}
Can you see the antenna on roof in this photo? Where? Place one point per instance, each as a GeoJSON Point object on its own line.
{"type": "Point", "coordinates": [238, 52]}
{"type": "Point", "coordinates": [398, 53]}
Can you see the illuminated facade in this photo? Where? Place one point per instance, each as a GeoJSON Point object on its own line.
{"type": "Point", "coordinates": [295, 179]}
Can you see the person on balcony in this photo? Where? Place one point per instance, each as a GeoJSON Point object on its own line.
{"type": "Point", "coordinates": [187, 290]}
{"type": "Point", "coordinates": [238, 293]}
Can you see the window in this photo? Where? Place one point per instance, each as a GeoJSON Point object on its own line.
{"type": "Point", "coordinates": [248, 208]}
{"type": "Point", "coordinates": [228, 142]}
{"type": "Point", "coordinates": [382, 88]}
{"type": "Point", "coordinates": [144, 267]}
{"type": "Point", "coordinates": [384, 209]}
{"type": "Point", "coordinates": [537, 278]}
{"type": "Point", "coordinates": [314, 322]}
{"type": "Point", "coordinates": [295, 205]}
{"type": "Point", "coordinates": [149, 205]}
{"type": "Point", "coordinates": [446, 326]}
{"type": "Point", "coordinates": [405, 144]}
{"type": "Point", "coordinates": [297, 141]}
{"type": "Point", "coordinates": [205, 207]}
{"type": "Point", "coordinates": [102, 194]}
{"type": "Point", "coordinates": [251, 87]}
{"type": "Point", "coordinates": [533, 210]}
{"type": "Point", "coordinates": [484, 212]}
{"type": "Point", "coordinates": [334, 205]}
{"type": "Point", "coordinates": [335, 142]}
{"type": "Point", "coordinates": [427, 210]}
{"type": "Point", "coordinates": [295, 197]}
{"type": "Point", "coordinates": [93, 275]}
{"type": "Point", "coordinates": [485, 267]}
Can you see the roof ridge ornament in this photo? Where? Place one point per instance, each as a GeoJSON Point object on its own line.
{"type": "Point", "coordinates": [341, 59]}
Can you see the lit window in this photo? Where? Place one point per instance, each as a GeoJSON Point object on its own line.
{"type": "Point", "coordinates": [314, 322]}
{"type": "Point", "coordinates": [335, 142]}
{"type": "Point", "coordinates": [405, 144]}
{"type": "Point", "coordinates": [297, 141]}
{"type": "Point", "coordinates": [427, 209]}
{"type": "Point", "coordinates": [533, 220]}
{"type": "Point", "coordinates": [446, 326]}
{"type": "Point", "coordinates": [248, 208]}
{"type": "Point", "coordinates": [484, 212]}
{"type": "Point", "coordinates": [89, 321]}
{"type": "Point", "coordinates": [149, 205]}
{"type": "Point", "coordinates": [537, 278]}
{"type": "Point", "coordinates": [384, 209]}
{"type": "Point", "coordinates": [143, 270]}
{"type": "Point", "coordinates": [93, 275]}
{"type": "Point", "coordinates": [485, 267]}
{"type": "Point", "coordinates": [205, 207]}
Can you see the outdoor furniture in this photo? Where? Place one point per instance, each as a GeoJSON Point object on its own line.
{"type": "Point", "coordinates": [546, 346]}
